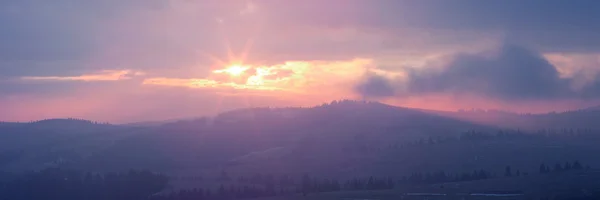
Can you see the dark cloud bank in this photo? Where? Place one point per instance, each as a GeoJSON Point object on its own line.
{"type": "Point", "coordinates": [375, 86]}
{"type": "Point", "coordinates": [511, 73]}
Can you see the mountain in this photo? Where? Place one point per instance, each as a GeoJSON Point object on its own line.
{"type": "Point", "coordinates": [575, 119]}
{"type": "Point", "coordinates": [248, 141]}
{"type": "Point", "coordinates": [52, 142]}
{"type": "Point", "coordinates": [338, 139]}
{"type": "Point", "coordinates": [216, 141]}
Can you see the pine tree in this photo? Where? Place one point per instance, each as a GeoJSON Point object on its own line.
{"type": "Point", "coordinates": [568, 166]}
{"type": "Point", "coordinates": [306, 184]}
{"type": "Point", "coordinates": [482, 174]}
{"type": "Point", "coordinates": [475, 175]}
{"type": "Point", "coordinates": [577, 165]}
{"type": "Point", "coordinates": [543, 169]}
{"type": "Point", "coordinates": [507, 171]}
{"type": "Point", "coordinates": [336, 185]}
{"type": "Point", "coordinates": [558, 167]}
{"type": "Point", "coordinates": [390, 183]}
{"type": "Point", "coordinates": [221, 192]}
{"type": "Point", "coordinates": [370, 183]}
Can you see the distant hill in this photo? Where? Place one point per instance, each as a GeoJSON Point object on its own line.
{"type": "Point", "coordinates": [341, 138]}
{"type": "Point", "coordinates": [51, 142]}
{"type": "Point", "coordinates": [576, 119]}
{"type": "Point", "coordinates": [341, 116]}
{"type": "Point", "coordinates": [212, 142]}
{"type": "Point", "coordinates": [54, 124]}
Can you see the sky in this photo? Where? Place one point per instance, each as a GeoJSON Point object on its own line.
{"type": "Point", "coordinates": [138, 60]}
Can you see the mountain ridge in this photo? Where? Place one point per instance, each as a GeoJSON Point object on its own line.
{"type": "Point", "coordinates": [279, 109]}
{"type": "Point", "coordinates": [255, 139]}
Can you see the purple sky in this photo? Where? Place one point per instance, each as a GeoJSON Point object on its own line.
{"type": "Point", "coordinates": [135, 60]}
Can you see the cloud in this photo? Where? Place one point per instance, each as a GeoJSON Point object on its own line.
{"type": "Point", "coordinates": [292, 76]}
{"type": "Point", "coordinates": [204, 83]}
{"type": "Point", "coordinates": [159, 34]}
{"type": "Point", "coordinates": [512, 73]}
{"type": "Point", "coordinates": [51, 86]}
{"type": "Point", "coordinates": [36, 30]}
{"type": "Point", "coordinates": [65, 36]}
{"type": "Point", "coordinates": [375, 86]}
{"type": "Point", "coordinates": [299, 46]}
{"type": "Point", "coordinates": [106, 75]}
{"type": "Point", "coordinates": [178, 82]}
{"type": "Point", "coordinates": [249, 8]}
{"type": "Point", "coordinates": [154, 35]}
{"type": "Point", "coordinates": [582, 69]}
{"type": "Point", "coordinates": [509, 73]}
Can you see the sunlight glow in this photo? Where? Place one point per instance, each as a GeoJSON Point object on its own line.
{"type": "Point", "coordinates": [255, 80]}
{"type": "Point", "coordinates": [233, 70]}
{"type": "Point", "coordinates": [292, 76]}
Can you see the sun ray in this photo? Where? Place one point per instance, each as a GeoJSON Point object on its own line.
{"type": "Point", "coordinates": [233, 70]}
{"type": "Point", "coordinates": [215, 60]}
{"type": "Point", "coordinates": [246, 50]}
{"type": "Point", "coordinates": [230, 55]}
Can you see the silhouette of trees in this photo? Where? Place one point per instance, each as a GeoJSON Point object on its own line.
{"type": "Point", "coordinates": [64, 184]}
{"type": "Point", "coordinates": [478, 136]}
{"type": "Point", "coordinates": [559, 168]}
{"type": "Point", "coordinates": [143, 185]}
{"type": "Point", "coordinates": [267, 180]}
{"type": "Point", "coordinates": [306, 184]}
{"type": "Point", "coordinates": [507, 172]}
{"type": "Point", "coordinates": [222, 192]}
{"type": "Point", "coordinates": [568, 166]}
{"type": "Point", "coordinates": [74, 185]}
{"type": "Point", "coordinates": [544, 169]}
{"type": "Point", "coordinates": [224, 176]}
{"type": "Point", "coordinates": [313, 185]}
{"type": "Point", "coordinates": [269, 187]}
{"type": "Point", "coordinates": [577, 165]}
{"type": "Point", "coordinates": [370, 183]}
{"type": "Point", "coordinates": [442, 177]}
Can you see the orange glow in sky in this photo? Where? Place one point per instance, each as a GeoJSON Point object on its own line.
{"type": "Point", "coordinates": [171, 59]}
{"type": "Point", "coordinates": [233, 70]}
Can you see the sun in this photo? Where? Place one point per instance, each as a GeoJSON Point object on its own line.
{"type": "Point", "coordinates": [233, 70]}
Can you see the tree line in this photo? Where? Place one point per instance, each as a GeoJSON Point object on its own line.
{"type": "Point", "coordinates": [544, 169]}
{"type": "Point", "coordinates": [443, 177]}
{"type": "Point", "coordinates": [369, 184]}
{"type": "Point", "coordinates": [55, 183]}
{"type": "Point", "coordinates": [268, 186]}
{"type": "Point", "coordinates": [261, 186]}
{"type": "Point", "coordinates": [478, 136]}
{"type": "Point", "coordinates": [221, 193]}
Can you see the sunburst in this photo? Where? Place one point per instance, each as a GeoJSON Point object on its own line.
{"type": "Point", "coordinates": [233, 70]}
